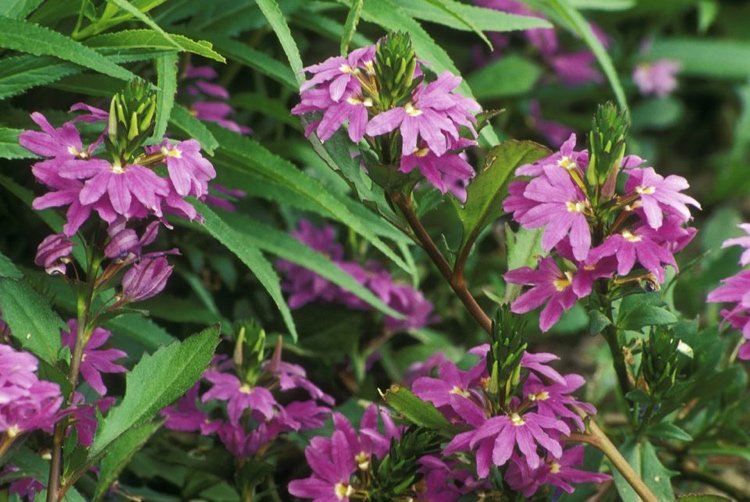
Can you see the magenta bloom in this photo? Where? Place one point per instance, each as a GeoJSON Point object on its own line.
{"type": "Point", "coordinates": [84, 417]}
{"type": "Point", "coordinates": [63, 143]}
{"type": "Point", "coordinates": [434, 113]}
{"type": "Point", "coordinates": [658, 195]}
{"type": "Point", "coordinates": [497, 439]}
{"type": "Point", "coordinates": [560, 472]}
{"type": "Point", "coordinates": [124, 242]}
{"type": "Point", "coordinates": [555, 132]}
{"type": "Point", "coordinates": [549, 285]}
{"type": "Point", "coordinates": [332, 463]}
{"type": "Point", "coordinates": [216, 110]}
{"type": "Point", "coordinates": [555, 400]}
{"type": "Point", "coordinates": [95, 362]}
{"type": "Point", "coordinates": [239, 396]}
{"type": "Point", "coordinates": [338, 72]}
{"type": "Point", "coordinates": [189, 171]}
{"type": "Point", "coordinates": [145, 279]}
{"type": "Point", "coordinates": [53, 254]}
{"type": "Point", "coordinates": [658, 78]}
{"type": "Point", "coordinates": [576, 68]}
{"type": "Point", "coordinates": [185, 415]}
{"type": "Point", "coordinates": [441, 171]}
{"type": "Point", "coordinates": [403, 299]}
{"type": "Point", "coordinates": [743, 241]}
{"type": "Point", "coordinates": [631, 246]}
{"type": "Point", "coordinates": [561, 209]}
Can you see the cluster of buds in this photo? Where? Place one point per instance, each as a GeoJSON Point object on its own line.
{"type": "Point", "coordinates": [306, 286]}
{"type": "Point", "coordinates": [240, 406]}
{"type": "Point", "coordinates": [410, 123]}
{"type": "Point", "coordinates": [605, 216]}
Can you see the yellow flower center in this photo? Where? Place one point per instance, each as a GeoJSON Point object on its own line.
{"type": "Point", "coordinates": [628, 236]}
{"type": "Point", "coordinates": [421, 152]}
{"type": "Point", "coordinates": [554, 467]}
{"type": "Point", "coordinates": [412, 111]}
{"type": "Point", "coordinates": [575, 206]}
{"type": "Point", "coordinates": [367, 102]}
{"type": "Point", "coordinates": [342, 491]}
{"type": "Point", "coordinates": [567, 163]}
{"type": "Point", "coordinates": [245, 389]}
{"type": "Point", "coordinates": [539, 396]}
{"type": "Point", "coordinates": [461, 392]}
{"type": "Point", "coordinates": [562, 283]}
{"type": "Point", "coordinates": [117, 168]}
{"type": "Point", "coordinates": [13, 431]}
{"type": "Point", "coordinates": [363, 460]}
{"type": "Point", "coordinates": [645, 190]}
{"type": "Point", "coordinates": [171, 152]}
{"type": "Point", "coordinates": [517, 420]}
{"type": "Point", "coordinates": [345, 68]}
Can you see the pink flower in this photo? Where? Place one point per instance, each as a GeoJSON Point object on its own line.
{"type": "Point", "coordinates": [337, 73]}
{"type": "Point", "coordinates": [95, 362]}
{"type": "Point", "coordinates": [631, 246]}
{"type": "Point", "coordinates": [743, 241]}
{"type": "Point", "coordinates": [188, 170]}
{"type": "Point", "coordinates": [442, 171]}
{"type": "Point", "coordinates": [239, 396]}
{"type": "Point", "coordinates": [145, 279]}
{"type": "Point", "coordinates": [658, 78]}
{"type": "Point", "coordinates": [332, 463]}
{"type": "Point", "coordinates": [658, 195]}
{"type": "Point", "coordinates": [53, 254]}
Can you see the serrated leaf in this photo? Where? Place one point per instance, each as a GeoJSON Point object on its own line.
{"type": "Point", "coordinates": [155, 382]}
{"type": "Point", "coordinates": [18, 9]}
{"type": "Point", "coordinates": [640, 310]}
{"type": "Point", "coordinates": [40, 41]}
{"type": "Point", "coordinates": [642, 458]}
{"type": "Point", "coordinates": [120, 453]}
{"type": "Point", "coordinates": [247, 251]}
{"type": "Point", "coordinates": [417, 411]}
{"type": "Point", "coordinates": [246, 153]}
{"type": "Point", "coordinates": [166, 81]}
{"type": "Point", "coordinates": [668, 430]}
{"type": "Point", "coordinates": [140, 329]}
{"type": "Point", "coordinates": [150, 39]}
{"type": "Point", "coordinates": [276, 19]}
{"type": "Point", "coordinates": [9, 147]}
{"type": "Point", "coordinates": [483, 202]}
{"type": "Point", "coordinates": [32, 322]}
{"type": "Point", "coordinates": [141, 16]}
{"type": "Point", "coordinates": [350, 26]}
{"type": "Point", "coordinates": [480, 18]}
{"type": "Point", "coordinates": [456, 11]}
{"type": "Point", "coordinates": [185, 121]}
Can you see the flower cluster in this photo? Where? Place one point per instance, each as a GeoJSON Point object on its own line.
{"type": "Point", "coordinates": [210, 100]}
{"type": "Point", "coordinates": [734, 290]}
{"type": "Point", "coordinates": [242, 411]}
{"type": "Point", "coordinates": [341, 463]}
{"type": "Point", "coordinates": [657, 78]}
{"type": "Point", "coordinates": [306, 286]}
{"type": "Point", "coordinates": [596, 230]}
{"type": "Point", "coordinates": [26, 402]}
{"type": "Point", "coordinates": [525, 434]}
{"type": "Point", "coordinates": [382, 90]}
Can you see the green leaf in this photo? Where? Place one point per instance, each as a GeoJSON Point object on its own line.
{"type": "Point", "coordinates": [140, 329]}
{"type": "Point", "coordinates": [155, 382]}
{"type": "Point", "coordinates": [247, 251]}
{"type": "Point", "coordinates": [141, 16]}
{"type": "Point", "coordinates": [742, 452]}
{"type": "Point", "coordinates": [642, 458]}
{"type": "Point", "coordinates": [40, 41]}
{"type": "Point", "coordinates": [483, 200]}
{"type": "Point", "coordinates": [639, 310]}
{"type": "Point", "coordinates": [7, 269]}
{"type": "Point", "coordinates": [32, 322]}
{"type": "Point", "coordinates": [18, 9]}
{"type": "Point", "coordinates": [166, 72]}
{"type": "Point", "coordinates": [278, 23]}
{"type": "Point", "coordinates": [479, 18]}
{"type": "Point", "coordinates": [580, 26]}
{"type": "Point", "coordinates": [9, 147]}
{"type": "Point", "coordinates": [120, 453]}
{"type": "Point", "coordinates": [150, 39]}
{"type": "Point", "coordinates": [185, 121]}
{"type": "Point", "coordinates": [17, 74]}
{"type": "Point", "coordinates": [668, 430]}
{"type": "Point", "coordinates": [417, 411]}
{"type": "Point", "coordinates": [703, 498]}
{"type": "Point", "coordinates": [350, 27]}
{"type": "Point", "coordinates": [509, 76]}
{"type": "Point", "coordinates": [284, 246]}
{"type": "Point", "coordinates": [258, 61]}
{"type": "Point", "coordinates": [706, 57]}
{"type": "Point", "coordinates": [456, 12]}
{"type": "Point", "coordinates": [524, 246]}
{"type": "Point", "coordinates": [33, 465]}
{"type": "Point", "coordinates": [246, 153]}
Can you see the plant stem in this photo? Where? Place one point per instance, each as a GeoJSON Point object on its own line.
{"type": "Point", "coordinates": [83, 332]}
{"type": "Point", "coordinates": [594, 435]}
{"type": "Point", "coordinates": [456, 281]}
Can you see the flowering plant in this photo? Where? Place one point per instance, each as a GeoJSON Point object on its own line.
{"type": "Point", "coordinates": [474, 250]}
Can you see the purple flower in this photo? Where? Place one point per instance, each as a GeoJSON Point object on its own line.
{"type": "Point", "coordinates": [95, 362]}
{"type": "Point", "coordinates": [239, 396]}
{"type": "Point", "coordinates": [53, 254]}
{"type": "Point", "coordinates": [554, 400]}
{"type": "Point", "coordinates": [658, 195]}
{"type": "Point", "coordinates": [84, 417]}
{"type": "Point", "coordinates": [338, 72]}
{"type": "Point", "coordinates": [186, 416]}
{"type": "Point", "coordinates": [403, 299]}
{"type": "Point", "coordinates": [211, 111]}
{"type": "Point", "coordinates": [549, 285]}
{"type": "Point", "coordinates": [25, 488]}
{"type": "Point", "coordinates": [576, 68]}
{"type": "Point", "coordinates": [496, 440]}
{"type": "Point", "coordinates": [441, 171]}
{"type": "Point", "coordinates": [658, 78]}
{"type": "Point", "coordinates": [433, 113]}
{"type": "Point", "coordinates": [63, 143]}
{"type": "Point", "coordinates": [352, 108]}
{"type": "Point", "coordinates": [369, 441]}
{"type": "Point", "coordinates": [560, 472]}
{"type": "Point", "coordinates": [538, 364]}
{"type": "Point", "coordinates": [145, 279]}
{"type": "Point", "coordinates": [125, 242]}
{"type": "Point", "coordinates": [332, 463]}
{"type": "Point", "coordinates": [188, 170]}
{"type": "Point", "coordinates": [631, 246]}
{"type": "Point", "coordinates": [743, 241]}
{"type": "Point", "coordinates": [293, 376]}
{"type": "Point", "coordinates": [561, 209]}
{"type": "Point", "coordinates": [555, 132]}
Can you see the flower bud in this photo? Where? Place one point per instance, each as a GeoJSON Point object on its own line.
{"type": "Point", "coordinates": [145, 279]}
{"type": "Point", "coordinates": [131, 119]}
{"type": "Point", "coordinates": [395, 62]}
{"type": "Point", "coordinates": [53, 254]}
